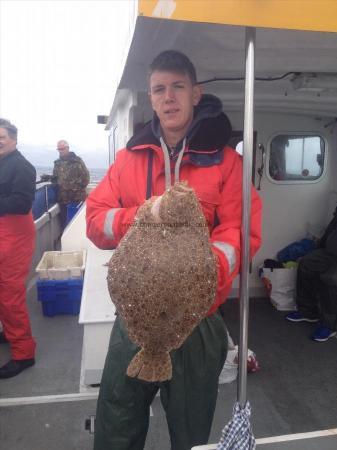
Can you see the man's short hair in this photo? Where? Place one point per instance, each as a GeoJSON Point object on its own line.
{"type": "Point", "coordinates": [63, 142]}
{"type": "Point", "coordinates": [11, 129]}
{"type": "Point", "coordinates": [173, 61]}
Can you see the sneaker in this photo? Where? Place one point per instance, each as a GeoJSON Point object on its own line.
{"type": "Point", "coordinates": [297, 316]}
{"type": "Point", "coordinates": [322, 334]}
{"type": "Point", "coordinates": [15, 366]}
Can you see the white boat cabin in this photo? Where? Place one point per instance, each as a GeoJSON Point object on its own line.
{"type": "Point", "coordinates": [295, 126]}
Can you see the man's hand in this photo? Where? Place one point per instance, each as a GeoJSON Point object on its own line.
{"type": "Point", "coordinates": [155, 208]}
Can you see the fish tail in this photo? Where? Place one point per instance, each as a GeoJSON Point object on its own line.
{"type": "Point", "coordinates": [150, 367]}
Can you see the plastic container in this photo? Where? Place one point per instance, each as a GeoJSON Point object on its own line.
{"type": "Point", "coordinates": [72, 210]}
{"type": "Point", "coordinates": [45, 198]}
{"type": "Point", "coordinates": [60, 296]}
{"type": "Point", "coordinates": [61, 265]}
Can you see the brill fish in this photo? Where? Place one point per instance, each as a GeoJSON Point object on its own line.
{"type": "Point", "coordinates": [162, 279]}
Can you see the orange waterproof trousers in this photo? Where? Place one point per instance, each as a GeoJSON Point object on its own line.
{"type": "Point", "coordinates": [17, 241]}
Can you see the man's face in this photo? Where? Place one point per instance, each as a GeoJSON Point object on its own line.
{"type": "Point", "coordinates": [62, 148]}
{"type": "Point", "coordinates": [7, 144]}
{"type": "Point", "coordinates": [173, 97]}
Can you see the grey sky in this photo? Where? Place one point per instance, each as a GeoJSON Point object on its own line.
{"type": "Point", "coordinates": [59, 62]}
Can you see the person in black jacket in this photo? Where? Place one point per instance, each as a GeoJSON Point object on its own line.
{"type": "Point", "coordinates": [316, 287]}
{"type": "Point", "coordinates": [17, 240]}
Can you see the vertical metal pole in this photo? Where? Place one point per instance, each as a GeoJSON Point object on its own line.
{"type": "Point", "coordinates": [248, 130]}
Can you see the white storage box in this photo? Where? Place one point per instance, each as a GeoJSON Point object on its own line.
{"type": "Point", "coordinates": [61, 265]}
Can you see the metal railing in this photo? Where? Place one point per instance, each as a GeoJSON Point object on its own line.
{"type": "Point", "coordinates": [46, 214]}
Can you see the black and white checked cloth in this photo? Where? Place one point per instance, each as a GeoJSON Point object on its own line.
{"type": "Point", "coordinates": [237, 434]}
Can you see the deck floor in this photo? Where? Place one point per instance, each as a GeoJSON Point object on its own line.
{"type": "Point", "coordinates": [294, 392]}
{"type": "Point", "coordinates": [58, 356]}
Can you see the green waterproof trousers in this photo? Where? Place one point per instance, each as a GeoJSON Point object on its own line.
{"type": "Point", "coordinates": [189, 398]}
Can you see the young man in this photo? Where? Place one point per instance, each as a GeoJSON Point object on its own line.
{"type": "Point", "coordinates": [17, 240]}
{"type": "Point", "coordinates": [186, 140]}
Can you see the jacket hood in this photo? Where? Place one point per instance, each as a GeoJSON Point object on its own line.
{"type": "Point", "coordinates": [210, 128]}
{"type": "Point", "coordinates": [208, 107]}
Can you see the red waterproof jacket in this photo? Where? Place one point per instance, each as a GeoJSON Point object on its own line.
{"type": "Point", "coordinates": [214, 172]}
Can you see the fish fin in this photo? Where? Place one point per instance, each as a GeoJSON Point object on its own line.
{"type": "Point", "coordinates": [150, 367]}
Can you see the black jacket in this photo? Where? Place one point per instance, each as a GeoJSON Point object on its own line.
{"type": "Point", "coordinates": [17, 184]}
{"type": "Point", "coordinates": [205, 148]}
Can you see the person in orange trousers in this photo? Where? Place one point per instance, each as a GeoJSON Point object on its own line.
{"type": "Point", "coordinates": [17, 240]}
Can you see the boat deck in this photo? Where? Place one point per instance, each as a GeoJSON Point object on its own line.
{"type": "Point", "coordinates": [294, 392]}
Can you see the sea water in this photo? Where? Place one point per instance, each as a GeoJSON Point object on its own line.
{"type": "Point", "coordinates": [95, 174]}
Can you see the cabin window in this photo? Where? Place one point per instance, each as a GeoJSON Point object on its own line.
{"type": "Point", "coordinates": [296, 157]}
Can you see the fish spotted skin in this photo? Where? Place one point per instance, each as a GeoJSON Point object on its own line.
{"type": "Point", "coordinates": [162, 279]}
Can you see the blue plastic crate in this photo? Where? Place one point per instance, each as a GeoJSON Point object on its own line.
{"type": "Point", "coordinates": [72, 210]}
{"type": "Point", "coordinates": [60, 296]}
